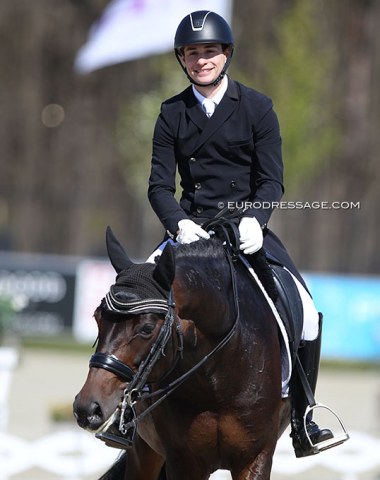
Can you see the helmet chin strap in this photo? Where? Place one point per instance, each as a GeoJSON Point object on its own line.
{"type": "Point", "coordinates": [216, 81]}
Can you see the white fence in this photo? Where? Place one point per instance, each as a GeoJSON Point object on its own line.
{"type": "Point", "coordinates": [73, 454]}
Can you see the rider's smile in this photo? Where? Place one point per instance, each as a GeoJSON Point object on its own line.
{"type": "Point", "coordinates": [204, 62]}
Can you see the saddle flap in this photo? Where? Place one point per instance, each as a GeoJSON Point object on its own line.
{"type": "Point", "coordinates": [289, 305]}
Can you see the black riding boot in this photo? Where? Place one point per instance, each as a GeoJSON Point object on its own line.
{"type": "Point", "coordinates": [309, 355]}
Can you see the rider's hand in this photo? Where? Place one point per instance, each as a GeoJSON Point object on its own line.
{"type": "Point", "coordinates": [189, 231]}
{"type": "Point", "coordinates": [251, 235]}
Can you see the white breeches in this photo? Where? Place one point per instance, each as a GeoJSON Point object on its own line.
{"type": "Point", "coordinates": [310, 313]}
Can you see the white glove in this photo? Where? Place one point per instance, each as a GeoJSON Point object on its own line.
{"type": "Point", "coordinates": [251, 235]}
{"type": "Point", "coordinates": [189, 231]}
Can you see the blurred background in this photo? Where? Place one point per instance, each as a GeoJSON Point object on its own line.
{"type": "Point", "coordinates": [81, 83]}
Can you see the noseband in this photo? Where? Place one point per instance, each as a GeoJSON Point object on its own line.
{"type": "Point", "coordinates": [112, 364]}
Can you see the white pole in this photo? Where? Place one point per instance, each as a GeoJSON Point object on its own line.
{"type": "Point", "coordinates": [8, 362]}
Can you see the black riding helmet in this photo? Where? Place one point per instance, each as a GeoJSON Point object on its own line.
{"type": "Point", "coordinates": [203, 27]}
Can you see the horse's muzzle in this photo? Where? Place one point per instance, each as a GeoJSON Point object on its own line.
{"type": "Point", "coordinates": [90, 416]}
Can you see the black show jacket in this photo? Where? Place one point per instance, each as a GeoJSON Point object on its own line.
{"type": "Point", "coordinates": [234, 156]}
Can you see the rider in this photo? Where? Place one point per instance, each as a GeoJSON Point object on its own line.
{"type": "Point", "coordinates": [227, 156]}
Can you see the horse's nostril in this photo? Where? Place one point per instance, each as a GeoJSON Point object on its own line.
{"type": "Point", "coordinates": [95, 416]}
{"type": "Point", "coordinates": [89, 416]}
{"type": "Point", "coordinates": [97, 412]}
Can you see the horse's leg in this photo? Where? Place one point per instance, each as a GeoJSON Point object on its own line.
{"type": "Point", "coordinates": [140, 462]}
{"type": "Point", "coordinates": [259, 469]}
{"type": "Point", "coordinates": [143, 462]}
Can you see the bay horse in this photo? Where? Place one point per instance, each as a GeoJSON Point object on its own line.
{"type": "Point", "coordinates": [212, 397]}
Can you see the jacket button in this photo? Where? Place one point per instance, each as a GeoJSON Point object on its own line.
{"type": "Point", "coordinates": [192, 159]}
{"type": "Point", "coordinates": [197, 186]}
{"type": "Point", "coordinates": [233, 184]}
{"type": "Point", "coordinates": [199, 209]}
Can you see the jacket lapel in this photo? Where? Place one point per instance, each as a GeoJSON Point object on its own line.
{"type": "Point", "coordinates": [195, 111]}
{"type": "Point", "coordinates": [223, 111]}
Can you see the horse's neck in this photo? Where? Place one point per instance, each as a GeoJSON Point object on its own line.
{"type": "Point", "coordinates": [203, 295]}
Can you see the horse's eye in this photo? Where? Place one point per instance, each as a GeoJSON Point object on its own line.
{"type": "Point", "coordinates": [147, 329]}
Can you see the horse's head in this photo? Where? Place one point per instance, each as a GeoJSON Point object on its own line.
{"type": "Point", "coordinates": [129, 319]}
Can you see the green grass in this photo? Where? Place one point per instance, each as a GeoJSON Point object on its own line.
{"type": "Point", "coordinates": [63, 343]}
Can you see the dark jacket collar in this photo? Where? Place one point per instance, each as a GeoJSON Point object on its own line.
{"type": "Point", "coordinates": [222, 112]}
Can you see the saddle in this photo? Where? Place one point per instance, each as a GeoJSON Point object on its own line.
{"type": "Point", "coordinates": [276, 280]}
{"type": "Point", "coordinates": [289, 306]}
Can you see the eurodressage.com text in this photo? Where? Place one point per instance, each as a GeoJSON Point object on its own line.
{"type": "Point", "coordinates": [293, 205]}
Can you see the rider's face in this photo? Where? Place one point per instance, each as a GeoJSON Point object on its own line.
{"type": "Point", "coordinates": [204, 62]}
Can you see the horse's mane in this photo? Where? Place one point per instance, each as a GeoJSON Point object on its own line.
{"type": "Point", "coordinates": [202, 249]}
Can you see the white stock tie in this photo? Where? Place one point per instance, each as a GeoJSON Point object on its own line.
{"type": "Point", "coordinates": [208, 106]}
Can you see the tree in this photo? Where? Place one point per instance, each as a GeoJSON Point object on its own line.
{"type": "Point", "coordinates": [75, 149]}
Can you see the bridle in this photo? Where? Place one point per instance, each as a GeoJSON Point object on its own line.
{"type": "Point", "coordinates": [137, 382]}
{"type": "Point", "coordinates": [123, 371]}
{"type": "Point", "coordinates": [138, 388]}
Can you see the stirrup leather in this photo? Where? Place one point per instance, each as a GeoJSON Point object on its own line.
{"type": "Point", "coordinates": [337, 439]}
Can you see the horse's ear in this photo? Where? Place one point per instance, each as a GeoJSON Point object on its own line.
{"type": "Point", "coordinates": [165, 268]}
{"type": "Point", "coordinates": [116, 253]}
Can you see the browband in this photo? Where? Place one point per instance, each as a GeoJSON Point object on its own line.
{"type": "Point", "coordinates": [149, 305]}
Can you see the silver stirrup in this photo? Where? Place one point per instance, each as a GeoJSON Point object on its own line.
{"type": "Point", "coordinates": [338, 439]}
